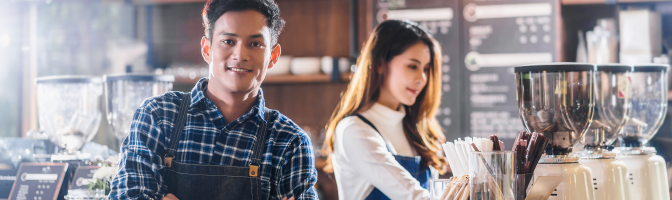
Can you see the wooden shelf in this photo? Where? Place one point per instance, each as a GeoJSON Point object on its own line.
{"type": "Point", "coordinates": [280, 79]}
{"type": "Point", "coordinates": [313, 78]}
{"type": "Point", "coordinates": [585, 2]}
{"type": "Point", "coordinates": [145, 2]}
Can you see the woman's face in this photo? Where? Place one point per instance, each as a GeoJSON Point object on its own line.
{"type": "Point", "coordinates": [407, 76]}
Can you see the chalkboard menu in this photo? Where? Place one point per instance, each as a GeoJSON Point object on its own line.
{"type": "Point", "coordinates": [83, 176]}
{"type": "Point", "coordinates": [441, 19]}
{"type": "Point", "coordinates": [497, 36]}
{"type": "Point", "coordinates": [38, 181]}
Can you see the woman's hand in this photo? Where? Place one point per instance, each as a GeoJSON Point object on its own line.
{"type": "Point", "coordinates": [169, 197]}
{"type": "Point", "coordinates": [292, 198]}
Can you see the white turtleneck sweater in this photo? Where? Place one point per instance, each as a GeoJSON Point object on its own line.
{"type": "Point", "coordinates": [361, 159]}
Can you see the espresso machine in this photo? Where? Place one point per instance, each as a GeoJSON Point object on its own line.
{"type": "Point", "coordinates": [647, 171]}
{"type": "Point", "coordinates": [69, 112]}
{"type": "Point", "coordinates": [612, 109]}
{"type": "Point", "coordinates": [126, 92]}
{"type": "Point", "coordinates": [557, 100]}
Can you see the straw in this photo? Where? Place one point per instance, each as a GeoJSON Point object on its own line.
{"type": "Point", "coordinates": [457, 189]}
{"type": "Point", "coordinates": [457, 154]}
{"type": "Point", "coordinates": [529, 148]}
{"type": "Point", "coordinates": [453, 159]}
{"type": "Point", "coordinates": [460, 155]}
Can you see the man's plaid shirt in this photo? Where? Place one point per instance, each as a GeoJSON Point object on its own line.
{"type": "Point", "coordinates": [288, 165]}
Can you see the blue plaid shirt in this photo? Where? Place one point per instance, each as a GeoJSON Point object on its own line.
{"type": "Point", "coordinates": [288, 165]}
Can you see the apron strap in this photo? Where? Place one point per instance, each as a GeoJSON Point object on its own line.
{"type": "Point", "coordinates": [372, 126]}
{"type": "Point", "coordinates": [178, 128]}
{"type": "Point", "coordinates": [367, 122]}
{"type": "Point", "coordinates": [258, 150]}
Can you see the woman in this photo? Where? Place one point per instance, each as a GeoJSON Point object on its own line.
{"type": "Point", "coordinates": [384, 136]}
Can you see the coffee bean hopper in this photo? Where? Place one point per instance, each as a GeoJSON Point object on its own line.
{"type": "Point", "coordinates": [69, 112]}
{"type": "Point", "coordinates": [125, 93]}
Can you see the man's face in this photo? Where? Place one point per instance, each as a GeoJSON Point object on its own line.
{"type": "Point", "coordinates": [240, 51]}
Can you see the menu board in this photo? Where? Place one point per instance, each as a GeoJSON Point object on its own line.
{"type": "Point", "coordinates": [7, 178]}
{"type": "Point", "coordinates": [83, 176]}
{"type": "Point", "coordinates": [496, 37]}
{"type": "Point", "coordinates": [38, 181]}
{"type": "Point", "coordinates": [440, 17]}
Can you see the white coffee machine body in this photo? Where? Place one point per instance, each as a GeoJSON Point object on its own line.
{"type": "Point", "coordinates": [610, 180]}
{"type": "Point", "coordinates": [647, 175]}
{"type": "Point", "coordinates": [576, 184]}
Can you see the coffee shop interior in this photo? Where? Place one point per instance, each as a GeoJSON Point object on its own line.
{"type": "Point", "coordinates": [113, 54]}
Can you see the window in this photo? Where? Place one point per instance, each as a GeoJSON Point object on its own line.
{"type": "Point", "coordinates": [11, 64]}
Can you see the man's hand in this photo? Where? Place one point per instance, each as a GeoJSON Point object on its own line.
{"type": "Point", "coordinates": [288, 199]}
{"type": "Point", "coordinates": [169, 197]}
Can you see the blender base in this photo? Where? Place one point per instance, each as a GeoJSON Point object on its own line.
{"type": "Point", "coordinates": [647, 175]}
{"type": "Point", "coordinates": [609, 178]}
{"type": "Point", "coordinates": [576, 184]}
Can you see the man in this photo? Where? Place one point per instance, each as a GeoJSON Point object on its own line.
{"type": "Point", "coordinates": [220, 141]}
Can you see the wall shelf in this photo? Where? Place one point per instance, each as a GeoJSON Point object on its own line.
{"type": "Point", "coordinates": [585, 2]}
{"type": "Point", "coordinates": [280, 79]}
{"type": "Point", "coordinates": [145, 2]}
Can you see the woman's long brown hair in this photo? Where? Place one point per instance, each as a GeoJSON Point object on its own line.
{"type": "Point", "coordinates": [422, 129]}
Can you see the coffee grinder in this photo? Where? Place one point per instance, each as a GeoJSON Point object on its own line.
{"type": "Point", "coordinates": [69, 113]}
{"type": "Point", "coordinates": [647, 171]}
{"type": "Point", "coordinates": [557, 100]}
{"type": "Point", "coordinates": [612, 109]}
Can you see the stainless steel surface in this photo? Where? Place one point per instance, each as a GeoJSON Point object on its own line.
{"type": "Point", "coordinates": [596, 154]}
{"type": "Point", "coordinates": [635, 151]}
{"type": "Point", "coordinates": [558, 159]}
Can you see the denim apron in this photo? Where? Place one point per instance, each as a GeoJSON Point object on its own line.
{"type": "Point", "coordinates": [192, 181]}
{"type": "Point", "coordinates": [411, 164]}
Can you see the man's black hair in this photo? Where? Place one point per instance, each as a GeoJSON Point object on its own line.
{"type": "Point", "coordinates": [216, 8]}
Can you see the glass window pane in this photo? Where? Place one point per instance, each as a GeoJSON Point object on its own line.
{"type": "Point", "coordinates": [11, 64]}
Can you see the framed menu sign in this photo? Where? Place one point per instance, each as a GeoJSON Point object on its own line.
{"type": "Point", "coordinates": [83, 176]}
{"type": "Point", "coordinates": [441, 19]}
{"type": "Point", "coordinates": [496, 37]}
{"type": "Point", "coordinates": [38, 181]}
{"type": "Point", "coordinates": [7, 178]}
